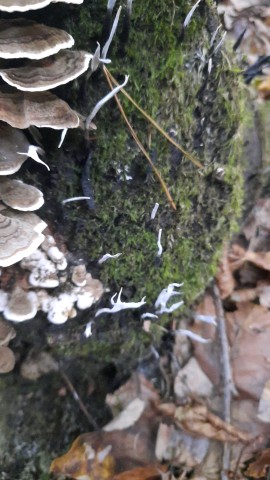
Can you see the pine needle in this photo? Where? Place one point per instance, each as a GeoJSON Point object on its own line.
{"type": "Point", "coordinates": [138, 142]}
{"type": "Point", "coordinates": [151, 120]}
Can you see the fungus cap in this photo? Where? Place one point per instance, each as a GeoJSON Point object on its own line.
{"type": "Point", "coordinates": [79, 275]}
{"type": "Point", "coordinates": [43, 109]}
{"type": "Point", "coordinates": [21, 305]}
{"type": "Point", "coordinates": [7, 360]}
{"type": "Point", "coordinates": [20, 196]}
{"type": "Point", "coordinates": [17, 240]}
{"type": "Point", "coordinates": [22, 38]}
{"type": "Point", "coordinates": [41, 75]}
{"type": "Point", "coordinates": [7, 332]}
{"type": "Point", "coordinates": [25, 5]}
{"type": "Point", "coordinates": [11, 142]}
{"type": "Point", "coordinates": [33, 220]}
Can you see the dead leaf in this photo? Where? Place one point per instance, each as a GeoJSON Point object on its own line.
{"type": "Point", "coordinates": [249, 334]}
{"type": "Point", "coordinates": [84, 459]}
{"type": "Point", "coordinates": [259, 468]}
{"type": "Point", "coordinates": [127, 417]}
{"type": "Point", "coordinates": [191, 379]}
{"type": "Point", "coordinates": [264, 404]}
{"type": "Point", "coordinates": [244, 295]}
{"type": "Point", "coordinates": [248, 15]}
{"type": "Point", "coordinates": [177, 447]}
{"type": "Point", "coordinates": [198, 420]}
{"type": "Point", "coordinates": [100, 455]}
{"type": "Point", "coordinates": [257, 226]}
{"type": "Point", "coordinates": [136, 387]}
{"type": "Point", "coordinates": [264, 87]}
{"type": "Point", "coordinates": [151, 472]}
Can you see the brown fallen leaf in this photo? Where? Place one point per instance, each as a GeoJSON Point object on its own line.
{"type": "Point", "coordinates": [179, 448]}
{"type": "Point", "coordinates": [100, 455]}
{"type": "Point", "coordinates": [198, 420]}
{"type": "Point", "coordinates": [258, 469]}
{"type": "Point", "coordinates": [244, 295]}
{"type": "Point", "coordinates": [136, 387]}
{"type": "Point", "coordinates": [151, 472]}
{"type": "Point", "coordinates": [264, 87]}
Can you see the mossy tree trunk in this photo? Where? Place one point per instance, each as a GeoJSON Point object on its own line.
{"type": "Point", "coordinates": [198, 103]}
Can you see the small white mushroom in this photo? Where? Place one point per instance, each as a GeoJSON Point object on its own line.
{"type": "Point", "coordinates": [21, 305]}
{"type": "Point", "coordinates": [60, 308]}
{"type": "Point", "coordinates": [79, 275]}
{"type": "Point", "coordinates": [43, 271]}
{"type": "Point", "coordinates": [89, 293]}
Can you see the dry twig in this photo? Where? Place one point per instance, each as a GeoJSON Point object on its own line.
{"type": "Point", "coordinates": [77, 398]}
{"type": "Point", "coordinates": [228, 384]}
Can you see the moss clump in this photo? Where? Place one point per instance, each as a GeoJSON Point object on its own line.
{"type": "Point", "coordinates": [169, 78]}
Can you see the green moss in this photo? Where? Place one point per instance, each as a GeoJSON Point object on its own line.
{"type": "Point", "coordinates": [168, 80]}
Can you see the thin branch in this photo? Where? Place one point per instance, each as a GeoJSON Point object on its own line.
{"type": "Point", "coordinates": [228, 384]}
{"type": "Point", "coordinates": [76, 397]}
{"type": "Point", "coordinates": [151, 120]}
{"type": "Point", "coordinates": [140, 145]}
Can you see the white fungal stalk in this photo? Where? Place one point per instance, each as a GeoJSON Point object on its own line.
{"type": "Point", "coordinates": [74, 199]}
{"type": "Point", "coordinates": [165, 295]}
{"type": "Point", "coordinates": [104, 100]}
{"type": "Point", "coordinates": [193, 336]}
{"type": "Point", "coordinates": [63, 136]}
{"type": "Point", "coordinates": [118, 305]}
{"type": "Point", "coordinates": [107, 256]}
{"type": "Point", "coordinates": [113, 30]}
{"type": "Point", "coordinates": [154, 211]}
{"type": "Point", "coordinates": [32, 152]}
{"type": "Point", "coordinates": [148, 315]}
{"type": "Point", "coordinates": [190, 14]}
{"type": "Point", "coordinates": [206, 319]}
{"type": "Point", "coordinates": [160, 248]}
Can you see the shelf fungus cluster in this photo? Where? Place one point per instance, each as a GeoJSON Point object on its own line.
{"type": "Point", "coordinates": [47, 270]}
{"type": "Point", "coordinates": [45, 63]}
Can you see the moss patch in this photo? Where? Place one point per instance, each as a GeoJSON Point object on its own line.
{"type": "Point", "coordinates": [169, 78]}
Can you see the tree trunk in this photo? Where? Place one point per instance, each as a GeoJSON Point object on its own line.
{"type": "Point", "coordinates": [189, 87]}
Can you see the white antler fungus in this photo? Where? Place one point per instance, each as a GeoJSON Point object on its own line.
{"type": "Point", "coordinates": [119, 305]}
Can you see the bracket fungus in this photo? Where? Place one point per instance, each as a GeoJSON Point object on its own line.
{"type": "Point", "coordinates": [7, 360]}
{"type": "Point", "coordinates": [41, 75]}
{"type": "Point", "coordinates": [43, 109]}
{"type": "Point", "coordinates": [12, 141]}
{"type": "Point", "coordinates": [19, 195]}
{"type": "Point", "coordinates": [25, 5]}
{"type": "Point", "coordinates": [7, 333]}
{"type": "Point", "coordinates": [33, 220]}
{"type": "Point", "coordinates": [23, 38]}
{"type": "Point", "coordinates": [17, 240]}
